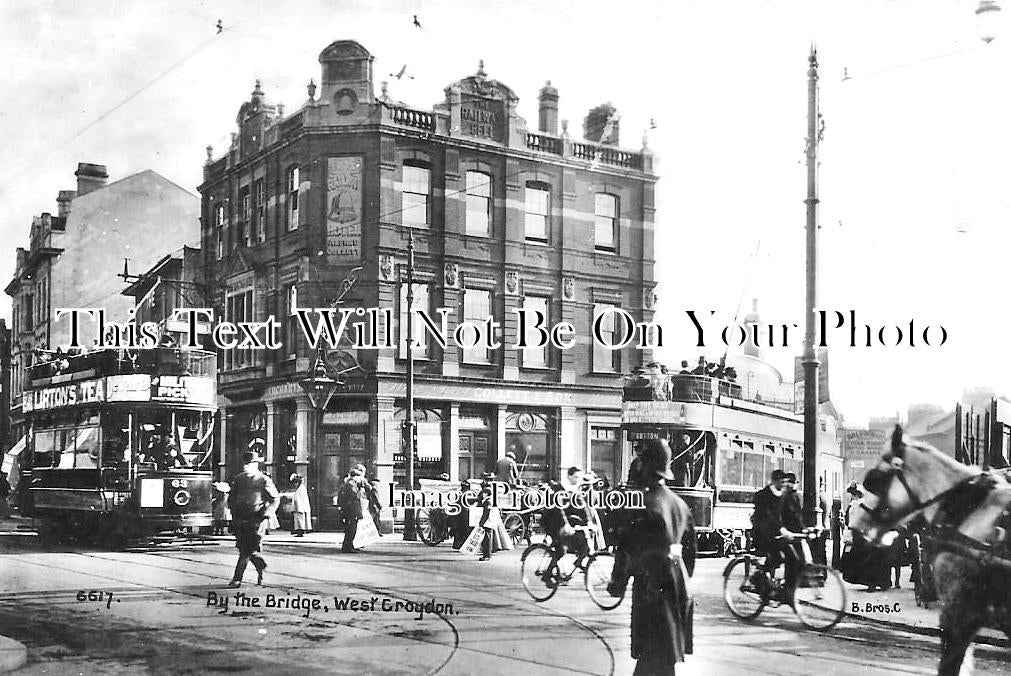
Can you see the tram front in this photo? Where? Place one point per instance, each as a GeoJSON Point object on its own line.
{"type": "Point", "coordinates": [121, 443]}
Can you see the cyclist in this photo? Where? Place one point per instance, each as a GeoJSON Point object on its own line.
{"type": "Point", "coordinates": [771, 534]}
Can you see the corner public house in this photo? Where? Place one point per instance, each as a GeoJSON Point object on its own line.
{"type": "Point", "coordinates": [502, 218]}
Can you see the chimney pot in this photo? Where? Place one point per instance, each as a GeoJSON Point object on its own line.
{"type": "Point", "coordinates": [90, 177]}
{"type": "Point", "coordinates": [63, 200]}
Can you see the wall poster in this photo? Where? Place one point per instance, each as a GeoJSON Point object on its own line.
{"type": "Point", "coordinates": [344, 209]}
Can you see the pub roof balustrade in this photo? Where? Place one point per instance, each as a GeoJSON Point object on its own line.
{"type": "Point", "coordinates": [544, 144]}
{"type": "Point", "coordinates": [409, 117]}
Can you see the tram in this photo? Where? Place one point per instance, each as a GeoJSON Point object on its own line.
{"type": "Point", "coordinates": [120, 443]}
{"type": "Point", "coordinates": [725, 446]}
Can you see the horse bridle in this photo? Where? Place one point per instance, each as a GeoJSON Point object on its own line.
{"type": "Point", "coordinates": [878, 481]}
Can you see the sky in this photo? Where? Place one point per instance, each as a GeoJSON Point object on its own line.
{"type": "Point", "coordinates": [915, 158]}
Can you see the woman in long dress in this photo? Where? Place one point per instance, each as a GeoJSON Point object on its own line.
{"type": "Point", "coordinates": [300, 503]}
{"type": "Point", "coordinates": [662, 606]}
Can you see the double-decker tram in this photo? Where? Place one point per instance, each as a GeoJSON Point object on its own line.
{"type": "Point", "coordinates": [120, 443]}
{"type": "Point", "coordinates": [725, 445]}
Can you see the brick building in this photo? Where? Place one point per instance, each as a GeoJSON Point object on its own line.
{"type": "Point", "coordinates": [73, 259]}
{"type": "Point", "coordinates": [503, 217]}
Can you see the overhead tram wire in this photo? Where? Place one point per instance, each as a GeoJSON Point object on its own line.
{"type": "Point", "coordinates": [847, 76]}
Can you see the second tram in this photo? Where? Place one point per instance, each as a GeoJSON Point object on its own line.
{"type": "Point", "coordinates": [120, 443]}
{"type": "Point", "coordinates": [725, 446]}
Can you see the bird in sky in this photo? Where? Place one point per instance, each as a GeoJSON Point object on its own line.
{"type": "Point", "coordinates": [402, 73]}
{"type": "Point", "coordinates": [221, 27]}
{"type": "Point", "coordinates": [417, 24]}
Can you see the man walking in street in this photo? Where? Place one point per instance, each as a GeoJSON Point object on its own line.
{"type": "Point", "coordinates": [252, 500]}
{"type": "Point", "coordinates": [350, 503]}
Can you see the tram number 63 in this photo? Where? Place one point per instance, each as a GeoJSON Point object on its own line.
{"type": "Point", "coordinates": [96, 595]}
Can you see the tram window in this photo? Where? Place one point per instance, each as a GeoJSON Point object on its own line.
{"type": "Point", "coordinates": [65, 447]}
{"type": "Point", "coordinates": [730, 468]}
{"type": "Point", "coordinates": [753, 470]}
{"type": "Point", "coordinates": [86, 448]}
{"type": "Point", "coordinates": [44, 455]}
{"type": "Point", "coordinates": [115, 439]}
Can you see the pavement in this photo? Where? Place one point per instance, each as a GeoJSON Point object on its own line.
{"type": "Point", "coordinates": [897, 608]}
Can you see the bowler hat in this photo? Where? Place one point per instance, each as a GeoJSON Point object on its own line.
{"type": "Point", "coordinates": [656, 456]}
{"type": "Point", "coordinates": [778, 475]}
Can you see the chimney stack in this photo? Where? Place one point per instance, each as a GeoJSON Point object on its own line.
{"type": "Point", "coordinates": [601, 125]}
{"type": "Point", "coordinates": [90, 177]}
{"type": "Point", "coordinates": [63, 200]}
{"type": "Point", "coordinates": [547, 107]}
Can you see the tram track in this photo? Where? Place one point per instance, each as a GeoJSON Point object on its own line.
{"type": "Point", "coordinates": [200, 590]}
{"type": "Point", "coordinates": [202, 595]}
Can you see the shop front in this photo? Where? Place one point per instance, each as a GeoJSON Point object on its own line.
{"type": "Point", "coordinates": [531, 435]}
{"type": "Point", "coordinates": [342, 443]}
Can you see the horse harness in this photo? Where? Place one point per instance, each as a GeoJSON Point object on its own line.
{"type": "Point", "coordinates": [956, 505]}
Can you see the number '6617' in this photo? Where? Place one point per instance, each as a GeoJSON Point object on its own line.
{"type": "Point", "coordinates": [96, 596]}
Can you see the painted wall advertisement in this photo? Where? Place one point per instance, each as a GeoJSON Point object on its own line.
{"type": "Point", "coordinates": [344, 209]}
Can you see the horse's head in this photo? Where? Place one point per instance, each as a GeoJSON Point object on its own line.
{"type": "Point", "coordinates": [903, 483]}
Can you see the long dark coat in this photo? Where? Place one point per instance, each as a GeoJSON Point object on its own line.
{"type": "Point", "coordinates": [661, 601]}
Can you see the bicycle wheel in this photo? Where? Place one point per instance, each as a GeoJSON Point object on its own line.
{"type": "Point", "coordinates": [820, 597]}
{"type": "Point", "coordinates": [598, 576]}
{"type": "Point", "coordinates": [539, 576]}
{"type": "Point", "coordinates": [516, 528]}
{"type": "Point", "coordinates": [430, 527]}
{"type": "Point", "coordinates": [740, 591]}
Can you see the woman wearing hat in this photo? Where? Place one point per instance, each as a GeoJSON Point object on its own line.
{"type": "Point", "coordinates": [661, 601]}
{"type": "Point", "coordinates": [300, 503]}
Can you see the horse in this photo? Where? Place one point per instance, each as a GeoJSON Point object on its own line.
{"type": "Point", "coordinates": [967, 511]}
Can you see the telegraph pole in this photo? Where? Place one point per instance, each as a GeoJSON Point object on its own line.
{"type": "Point", "coordinates": [810, 359]}
{"type": "Point", "coordinates": [410, 525]}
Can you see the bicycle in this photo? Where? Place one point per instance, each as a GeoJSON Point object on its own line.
{"type": "Point", "coordinates": [541, 573]}
{"type": "Point", "coordinates": [818, 597]}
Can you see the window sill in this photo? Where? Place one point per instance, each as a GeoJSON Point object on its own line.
{"type": "Point", "coordinates": [544, 368]}
{"type": "Point", "coordinates": [605, 251]}
{"type": "Point", "coordinates": [537, 242]}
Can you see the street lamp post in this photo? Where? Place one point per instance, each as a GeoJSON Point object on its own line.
{"type": "Point", "coordinates": [809, 359]}
{"type": "Point", "coordinates": [410, 524]}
